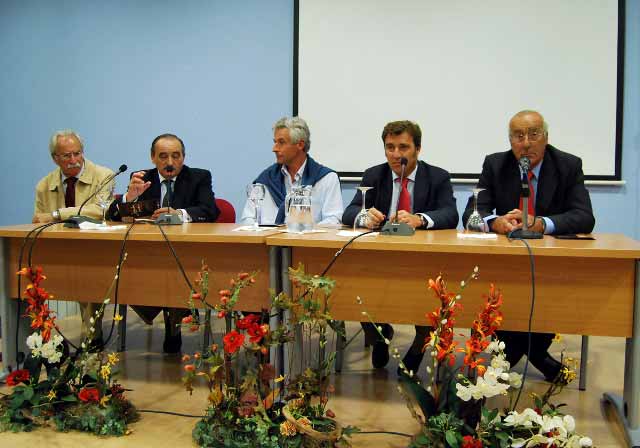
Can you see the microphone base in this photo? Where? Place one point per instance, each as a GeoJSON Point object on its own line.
{"type": "Point", "coordinates": [74, 222]}
{"type": "Point", "coordinates": [521, 234]}
{"type": "Point", "coordinates": [168, 219]}
{"type": "Point", "coordinates": [397, 229]}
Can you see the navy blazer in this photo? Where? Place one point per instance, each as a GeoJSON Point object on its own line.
{"type": "Point", "coordinates": [192, 191]}
{"type": "Point", "coordinates": [561, 194]}
{"type": "Point", "coordinates": [432, 194]}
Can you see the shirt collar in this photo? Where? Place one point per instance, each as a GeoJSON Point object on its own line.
{"type": "Point", "coordinates": [411, 177]}
{"type": "Point", "coordinates": [162, 179]}
{"type": "Point", "coordinates": [63, 177]}
{"type": "Point", "coordinates": [298, 175]}
{"type": "Point", "coordinates": [536, 169]}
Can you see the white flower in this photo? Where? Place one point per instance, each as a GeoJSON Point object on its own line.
{"type": "Point", "coordinates": [515, 380]}
{"type": "Point", "coordinates": [463, 392]}
{"type": "Point", "coordinates": [569, 423]}
{"type": "Point", "coordinates": [585, 441]}
{"type": "Point", "coordinates": [34, 341]}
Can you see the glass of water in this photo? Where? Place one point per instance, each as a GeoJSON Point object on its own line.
{"type": "Point", "coordinates": [255, 194]}
{"type": "Point", "coordinates": [475, 223]}
{"type": "Point", "coordinates": [363, 215]}
{"type": "Point", "coordinates": [104, 198]}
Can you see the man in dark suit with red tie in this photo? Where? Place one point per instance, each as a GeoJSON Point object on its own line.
{"type": "Point", "coordinates": [559, 203]}
{"type": "Point", "coordinates": [424, 201]}
{"type": "Point", "coordinates": [180, 190]}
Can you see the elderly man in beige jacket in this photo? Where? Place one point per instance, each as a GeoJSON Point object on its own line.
{"type": "Point", "coordinates": [61, 192]}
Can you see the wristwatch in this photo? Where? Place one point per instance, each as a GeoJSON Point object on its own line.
{"type": "Point", "coordinates": [56, 215]}
{"type": "Point", "coordinates": [424, 221]}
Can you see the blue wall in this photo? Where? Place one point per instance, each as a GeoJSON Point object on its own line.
{"type": "Point", "coordinates": [217, 73]}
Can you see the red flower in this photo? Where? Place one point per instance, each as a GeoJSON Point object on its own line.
{"type": "Point", "coordinates": [187, 319]}
{"type": "Point", "coordinates": [18, 376]}
{"type": "Point", "coordinates": [89, 394]}
{"type": "Point", "coordinates": [233, 341]}
{"type": "Point", "coordinates": [248, 321]}
{"type": "Point", "coordinates": [257, 332]}
{"type": "Point", "coordinates": [471, 442]}
{"type": "Point", "coordinates": [243, 275]}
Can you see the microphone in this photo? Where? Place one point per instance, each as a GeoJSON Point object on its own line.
{"type": "Point", "coordinates": [524, 233]}
{"type": "Point", "coordinates": [75, 220]}
{"type": "Point", "coordinates": [395, 227]}
{"type": "Point", "coordinates": [403, 166]}
{"type": "Point", "coordinates": [168, 218]}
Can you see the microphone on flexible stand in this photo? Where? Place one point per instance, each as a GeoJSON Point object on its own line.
{"type": "Point", "coordinates": [75, 220]}
{"type": "Point", "coordinates": [524, 233]}
{"type": "Point", "coordinates": [169, 218]}
{"type": "Point", "coordinates": [398, 228]}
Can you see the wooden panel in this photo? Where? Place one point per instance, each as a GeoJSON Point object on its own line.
{"type": "Point", "coordinates": [574, 295]}
{"type": "Point", "coordinates": [84, 269]}
{"type": "Point", "coordinates": [447, 241]}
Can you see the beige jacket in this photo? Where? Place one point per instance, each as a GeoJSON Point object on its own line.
{"type": "Point", "coordinates": [50, 192]}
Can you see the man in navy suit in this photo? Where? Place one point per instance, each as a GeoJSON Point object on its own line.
{"type": "Point", "coordinates": [180, 190]}
{"type": "Point", "coordinates": [560, 204]}
{"type": "Point", "coordinates": [425, 201]}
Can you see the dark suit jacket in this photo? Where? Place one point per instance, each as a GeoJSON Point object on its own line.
{"type": "Point", "coordinates": [432, 194]}
{"type": "Point", "coordinates": [561, 194]}
{"type": "Point", "coordinates": [192, 191]}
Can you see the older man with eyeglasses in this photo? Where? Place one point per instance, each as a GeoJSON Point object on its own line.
{"type": "Point", "coordinates": [61, 192]}
{"type": "Point", "coordinates": [558, 203]}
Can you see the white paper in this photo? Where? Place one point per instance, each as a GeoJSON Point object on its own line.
{"type": "Point", "coordinates": [250, 228]}
{"type": "Point", "coordinates": [86, 225]}
{"type": "Point", "coordinates": [477, 236]}
{"type": "Point", "coordinates": [352, 233]}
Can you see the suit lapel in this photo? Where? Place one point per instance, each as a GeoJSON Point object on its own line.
{"type": "Point", "coordinates": [421, 189]}
{"type": "Point", "coordinates": [386, 190]}
{"type": "Point", "coordinates": [179, 192]}
{"type": "Point", "coordinates": [547, 184]}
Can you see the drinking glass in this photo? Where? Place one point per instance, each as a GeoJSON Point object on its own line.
{"type": "Point", "coordinates": [362, 217]}
{"type": "Point", "coordinates": [475, 223]}
{"type": "Point", "coordinates": [255, 194]}
{"type": "Point", "coordinates": [104, 198]}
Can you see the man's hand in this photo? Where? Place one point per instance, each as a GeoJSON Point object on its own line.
{"type": "Point", "coordinates": [413, 220]}
{"type": "Point", "coordinates": [164, 211]}
{"type": "Point", "coordinates": [507, 223]}
{"type": "Point", "coordinates": [137, 185]}
{"type": "Point", "coordinates": [42, 218]}
{"type": "Point", "coordinates": [374, 218]}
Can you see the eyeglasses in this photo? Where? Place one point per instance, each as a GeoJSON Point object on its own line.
{"type": "Point", "coordinates": [68, 155]}
{"type": "Point", "coordinates": [533, 134]}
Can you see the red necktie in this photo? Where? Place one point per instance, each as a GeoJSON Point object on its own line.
{"type": "Point", "coordinates": [404, 203]}
{"type": "Point", "coordinates": [532, 196]}
{"type": "Point", "coordinates": [70, 192]}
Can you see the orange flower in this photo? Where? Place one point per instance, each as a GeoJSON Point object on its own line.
{"type": "Point", "coordinates": [187, 319]}
{"type": "Point", "coordinates": [243, 275]}
{"type": "Point", "coordinates": [189, 368]}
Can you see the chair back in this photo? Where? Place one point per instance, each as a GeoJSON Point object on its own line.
{"type": "Point", "coordinates": [227, 212]}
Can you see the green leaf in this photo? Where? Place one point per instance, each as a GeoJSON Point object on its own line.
{"type": "Point", "coordinates": [452, 439]}
{"type": "Point", "coordinates": [69, 398]}
{"type": "Point", "coordinates": [28, 393]}
{"type": "Point", "coordinates": [423, 398]}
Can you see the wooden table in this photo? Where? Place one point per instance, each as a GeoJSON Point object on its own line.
{"type": "Point", "coordinates": [80, 266]}
{"type": "Point", "coordinates": [582, 287]}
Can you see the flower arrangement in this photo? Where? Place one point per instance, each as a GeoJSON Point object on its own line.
{"type": "Point", "coordinates": [79, 391]}
{"type": "Point", "coordinates": [249, 402]}
{"type": "Point", "coordinates": [453, 402]}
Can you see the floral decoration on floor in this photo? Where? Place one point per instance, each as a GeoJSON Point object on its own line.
{"type": "Point", "coordinates": [77, 391]}
{"type": "Point", "coordinates": [452, 404]}
{"type": "Point", "coordinates": [251, 403]}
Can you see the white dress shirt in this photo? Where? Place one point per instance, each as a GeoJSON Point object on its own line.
{"type": "Point", "coordinates": [326, 200]}
{"type": "Point", "coordinates": [396, 194]}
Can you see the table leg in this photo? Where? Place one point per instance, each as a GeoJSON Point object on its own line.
{"type": "Point", "coordinates": [627, 408]}
{"type": "Point", "coordinates": [276, 352]}
{"type": "Point", "coordinates": [9, 311]}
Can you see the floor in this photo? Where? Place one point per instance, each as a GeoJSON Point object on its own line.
{"type": "Point", "coordinates": [364, 397]}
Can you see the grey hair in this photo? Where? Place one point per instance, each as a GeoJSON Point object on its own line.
{"type": "Point", "coordinates": [298, 130]}
{"type": "Point", "coordinates": [53, 141]}
{"type": "Point", "coordinates": [545, 126]}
